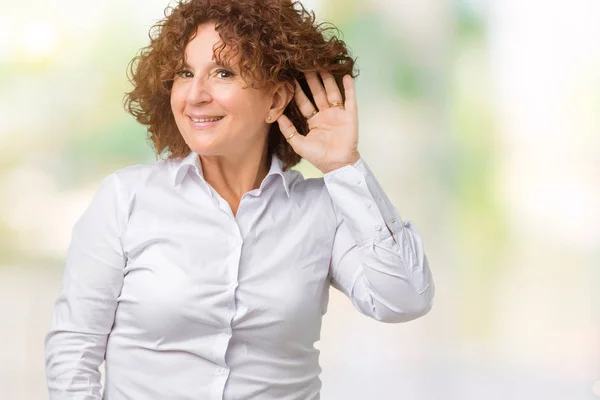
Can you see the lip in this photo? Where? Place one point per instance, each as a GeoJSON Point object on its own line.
{"type": "Point", "coordinates": [203, 125]}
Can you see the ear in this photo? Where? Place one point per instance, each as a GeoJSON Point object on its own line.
{"type": "Point", "coordinates": [282, 94]}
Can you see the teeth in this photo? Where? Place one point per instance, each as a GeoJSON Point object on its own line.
{"type": "Point", "coordinates": [206, 119]}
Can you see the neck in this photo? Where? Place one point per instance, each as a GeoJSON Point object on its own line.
{"type": "Point", "coordinates": [234, 176]}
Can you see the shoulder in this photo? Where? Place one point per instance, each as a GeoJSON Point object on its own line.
{"type": "Point", "coordinates": [310, 191]}
{"type": "Point", "coordinates": [159, 173]}
{"type": "Point", "coordinates": [118, 194]}
{"type": "Point", "coordinates": [138, 174]}
{"type": "Point", "coordinates": [312, 197]}
{"type": "Point", "coordinates": [301, 186]}
{"type": "Point", "coordinates": [120, 188]}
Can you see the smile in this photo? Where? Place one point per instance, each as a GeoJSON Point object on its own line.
{"type": "Point", "coordinates": [204, 122]}
{"type": "Point", "coordinates": [208, 119]}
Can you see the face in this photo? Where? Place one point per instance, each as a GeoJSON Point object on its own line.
{"type": "Point", "coordinates": [217, 113]}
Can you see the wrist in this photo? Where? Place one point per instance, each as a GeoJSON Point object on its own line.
{"type": "Point", "coordinates": [350, 161]}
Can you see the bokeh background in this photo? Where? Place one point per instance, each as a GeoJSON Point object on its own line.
{"type": "Point", "coordinates": [480, 119]}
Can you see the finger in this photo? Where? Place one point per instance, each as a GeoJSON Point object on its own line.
{"type": "Point", "coordinates": [317, 90]}
{"type": "Point", "coordinates": [303, 102]}
{"type": "Point", "coordinates": [351, 103]}
{"type": "Point", "coordinates": [331, 87]}
{"type": "Point", "coordinates": [288, 129]}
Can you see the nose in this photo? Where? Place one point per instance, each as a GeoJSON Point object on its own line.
{"type": "Point", "coordinates": [198, 91]}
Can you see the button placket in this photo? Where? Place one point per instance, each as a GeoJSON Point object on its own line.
{"type": "Point", "coordinates": [233, 265]}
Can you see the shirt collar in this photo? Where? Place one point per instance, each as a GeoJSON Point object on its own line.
{"type": "Point", "coordinates": [192, 161]}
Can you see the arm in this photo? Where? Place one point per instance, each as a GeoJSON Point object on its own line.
{"type": "Point", "coordinates": [377, 260]}
{"type": "Point", "coordinates": [85, 309]}
{"type": "Point", "coordinates": [383, 271]}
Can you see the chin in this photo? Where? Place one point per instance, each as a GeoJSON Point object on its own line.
{"type": "Point", "coordinates": [206, 150]}
{"type": "Point", "coordinates": [208, 147]}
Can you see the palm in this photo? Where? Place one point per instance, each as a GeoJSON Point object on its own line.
{"type": "Point", "coordinates": [332, 141]}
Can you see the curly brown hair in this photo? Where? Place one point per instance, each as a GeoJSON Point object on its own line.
{"type": "Point", "coordinates": [277, 41]}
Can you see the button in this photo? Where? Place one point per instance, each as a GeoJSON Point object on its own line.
{"type": "Point", "coordinates": [369, 204]}
{"type": "Point", "coordinates": [232, 285]}
{"type": "Point", "coordinates": [223, 371]}
{"type": "Point", "coordinates": [393, 221]}
{"type": "Point", "coordinates": [377, 227]}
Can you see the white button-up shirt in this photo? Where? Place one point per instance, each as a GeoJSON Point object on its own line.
{"type": "Point", "coordinates": [184, 300]}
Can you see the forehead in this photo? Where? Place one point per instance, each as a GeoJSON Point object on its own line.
{"type": "Point", "coordinates": [203, 42]}
{"type": "Point", "coordinates": [201, 48]}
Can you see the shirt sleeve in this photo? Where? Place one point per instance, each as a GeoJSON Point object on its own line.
{"type": "Point", "coordinates": [377, 260]}
{"type": "Point", "coordinates": [85, 309]}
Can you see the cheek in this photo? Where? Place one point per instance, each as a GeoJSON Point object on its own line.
{"type": "Point", "coordinates": [248, 108]}
{"type": "Point", "coordinates": [176, 99]}
{"type": "Point", "coordinates": [247, 102]}
{"type": "Point", "coordinates": [256, 106]}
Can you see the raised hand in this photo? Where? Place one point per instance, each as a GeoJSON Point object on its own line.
{"type": "Point", "coordinates": [332, 141]}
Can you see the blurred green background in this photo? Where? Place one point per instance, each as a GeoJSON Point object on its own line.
{"type": "Point", "coordinates": [480, 119]}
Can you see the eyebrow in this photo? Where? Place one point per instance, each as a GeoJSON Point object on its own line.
{"type": "Point", "coordinates": [211, 65]}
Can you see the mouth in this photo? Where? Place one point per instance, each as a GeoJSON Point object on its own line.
{"type": "Point", "coordinates": [205, 121]}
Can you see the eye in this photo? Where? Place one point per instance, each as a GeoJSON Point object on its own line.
{"type": "Point", "coordinates": [223, 73]}
{"type": "Point", "coordinates": [184, 74]}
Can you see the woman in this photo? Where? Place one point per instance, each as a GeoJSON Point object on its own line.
{"type": "Point", "coordinates": [206, 275]}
